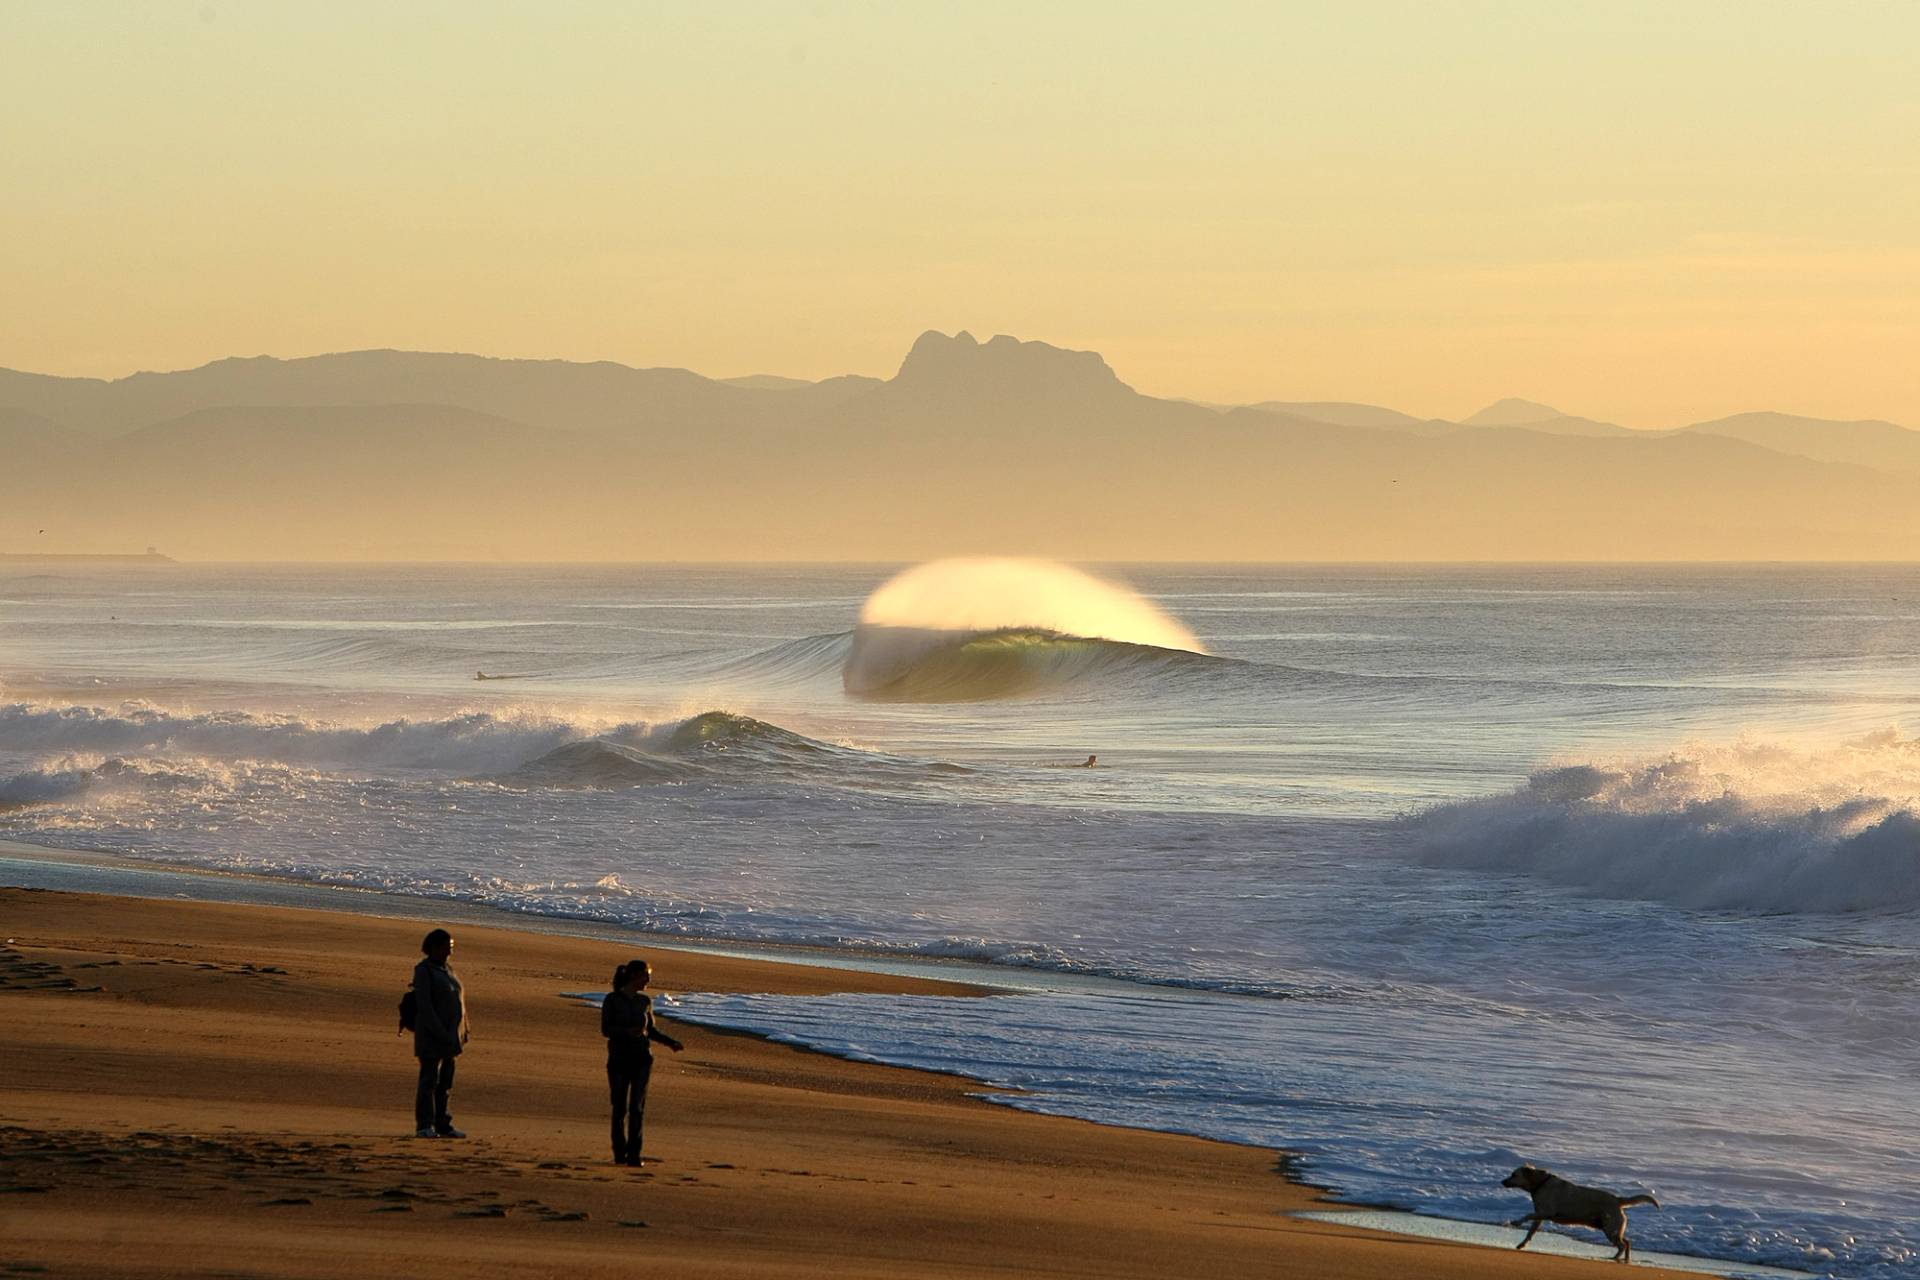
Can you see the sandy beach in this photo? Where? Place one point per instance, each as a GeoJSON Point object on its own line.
{"type": "Point", "coordinates": [212, 1089]}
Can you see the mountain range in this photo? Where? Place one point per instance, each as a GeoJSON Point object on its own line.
{"type": "Point", "coordinates": [1001, 447]}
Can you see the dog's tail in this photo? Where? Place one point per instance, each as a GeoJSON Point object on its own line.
{"type": "Point", "coordinates": [1627, 1200]}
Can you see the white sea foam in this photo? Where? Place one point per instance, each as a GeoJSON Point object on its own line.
{"type": "Point", "coordinates": [471, 742]}
{"type": "Point", "coordinates": [1750, 826]}
{"type": "Point", "coordinates": [73, 777]}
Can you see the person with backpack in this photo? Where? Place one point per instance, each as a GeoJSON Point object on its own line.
{"type": "Point", "coordinates": [439, 1025]}
{"type": "Point", "coordinates": [626, 1020]}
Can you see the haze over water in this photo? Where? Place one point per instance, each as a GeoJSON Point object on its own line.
{"type": "Point", "coordinates": [1418, 872]}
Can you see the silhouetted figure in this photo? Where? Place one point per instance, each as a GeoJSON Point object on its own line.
{"type": "Point", "coordinates": [1091, 762]}
{"type": "Point", "coordinates": [439, 1034]}
{"type": "Point", "coordinates": [626, 1020]}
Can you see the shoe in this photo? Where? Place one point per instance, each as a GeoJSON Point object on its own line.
{"type": "Point", "coordinates": [633, 1162]}
{"type": "Point", "coordinates": [449, 1132]}
{"type": "Point", "coordinates": [425, 1131]}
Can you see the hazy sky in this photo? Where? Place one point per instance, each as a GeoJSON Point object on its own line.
{"type": "Point", "coordinates": [1645, 212]}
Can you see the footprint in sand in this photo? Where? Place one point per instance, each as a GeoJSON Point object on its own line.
{"type": "Point", "coordinates": [17, 973]}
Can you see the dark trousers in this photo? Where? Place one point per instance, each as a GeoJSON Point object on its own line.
{"type": "Point", "coordinates": [430, 1099]}
{"type": "Point", "coordinates": [627, 1081]}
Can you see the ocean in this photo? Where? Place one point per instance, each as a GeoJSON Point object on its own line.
{"type": "Point", "coordinates": [1417, 872]}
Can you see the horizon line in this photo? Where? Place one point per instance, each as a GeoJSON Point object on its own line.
{"type": "Point", "coordinates": [126, 559]}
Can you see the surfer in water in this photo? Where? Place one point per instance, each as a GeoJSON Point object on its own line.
{"type": "Point", "coordinates": [1092, 762]}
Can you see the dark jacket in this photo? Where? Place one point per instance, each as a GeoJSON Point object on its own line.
{"type": "Point", "coordinates": [439, 1012]}
{"type": "Point", "coordinates": [626, 1020]}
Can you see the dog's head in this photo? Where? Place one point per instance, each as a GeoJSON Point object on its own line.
{"type": "Point", "coordinates": [1526, 1178]}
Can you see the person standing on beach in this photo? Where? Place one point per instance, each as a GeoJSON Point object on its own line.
{"type": "Point", "coordinates": [439, 1034]}
{"type": "Point", "coordinates": [626, 1020]}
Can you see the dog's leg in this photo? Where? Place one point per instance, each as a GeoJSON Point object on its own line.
{"type": "Point", "coordinates": [1614, 1227]}
{"type": "Point", "coordinates": [1530, 1231]}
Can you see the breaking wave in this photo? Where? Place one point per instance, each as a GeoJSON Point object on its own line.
{"type": "Point", "coordinates": [907, 664]}
{"type": "Point", "coordinates": [78, 777]}
{"type": "Point", "coordinates": [1755, 827]}
{"type": "Point", "coordinates": [598, 763]}
{"type": "Point", "coordinates": [712, 744]}
{"type": "Point", "coordinates": [911, 665]}
{"type": "Point", "coordinates": [987, 594]}
{"type": "Point", "coordinates": [471, 742]}
{"type": "Point", "coordinates": [972, 630]}
{"type": "Point", "coordinates": [89, 751]}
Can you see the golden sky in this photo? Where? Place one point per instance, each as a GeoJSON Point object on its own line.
{"type": "Point", "coordinates": [1645, 212]}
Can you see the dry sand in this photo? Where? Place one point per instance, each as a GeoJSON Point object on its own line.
{"type": "Point", "coordinates": [194, 1089]}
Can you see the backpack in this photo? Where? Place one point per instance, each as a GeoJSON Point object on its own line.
{"type": "Point", "coordinates": [407, 1006]}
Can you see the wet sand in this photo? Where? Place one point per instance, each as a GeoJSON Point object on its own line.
{"type": "Point", "coordinates": [204, 1089]}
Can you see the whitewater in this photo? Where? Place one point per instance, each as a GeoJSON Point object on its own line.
{"type": "Point", "coordinates": [1414, 872]}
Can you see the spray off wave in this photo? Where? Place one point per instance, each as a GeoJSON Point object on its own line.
{"type": "Point", "coordinates": [1752, 826]}
{"type": "Point", "coordinates": [976, 629]}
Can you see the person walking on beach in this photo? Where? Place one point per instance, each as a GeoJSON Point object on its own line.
{"type": "Point", "coordinates": [439, 1034]}
{"type": "Point", "coordinates": [626, 1020]}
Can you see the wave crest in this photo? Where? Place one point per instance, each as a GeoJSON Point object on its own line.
{"type": "Point", "coordinates": [714, 744]}
{"type": "Point", "coordinates": [908, 664]}
{"type": "Point", "coordinates": [1748, 827]}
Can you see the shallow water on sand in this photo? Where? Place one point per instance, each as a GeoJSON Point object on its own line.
{"type": "Point", "coordinates": [1421, 872]}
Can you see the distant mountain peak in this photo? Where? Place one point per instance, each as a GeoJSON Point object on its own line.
{"type": "Point", "coordinates": [1002, 366]}
{"type": "Point", "coordinates": [1513, 412]}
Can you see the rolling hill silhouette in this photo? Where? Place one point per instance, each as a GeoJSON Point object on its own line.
{"type": "Point", "coordinates": [1000, 446]}
{"type": "Point", "coordinates": [1870, 443]}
